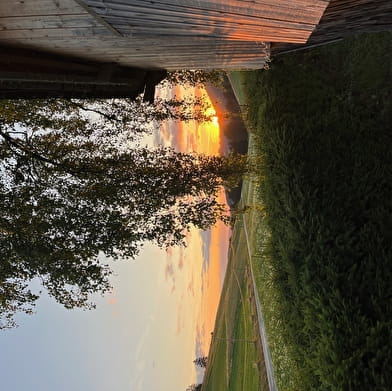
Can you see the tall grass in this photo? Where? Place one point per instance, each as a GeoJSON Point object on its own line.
{"type": "Point", "coordinates": [323, 119]}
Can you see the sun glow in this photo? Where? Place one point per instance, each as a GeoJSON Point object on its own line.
{"type": "Point", "coordinates": [209, 139]}
{"type": "Point", "coordinates": [215, 120]}
{"type": "Point", "coordinates": [201, 265]}
{"type": "Point", "coordinates": [210, 112]}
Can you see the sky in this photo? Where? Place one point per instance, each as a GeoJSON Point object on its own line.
{"type": "Point", "coordinates": [144, 335]}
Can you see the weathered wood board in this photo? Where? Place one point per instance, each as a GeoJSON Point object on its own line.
{"type": "Point", "coordinates": [168, 34]}
{"type": "Point", "coordinates": [343, 18]}
{"type": "Point", "coordinates": [279, 20]}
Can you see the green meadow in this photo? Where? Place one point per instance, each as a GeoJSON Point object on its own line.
{"type": "Point", "coordinates": [235, 360]}
{"type": "Point", "coordinates": [318, 206]}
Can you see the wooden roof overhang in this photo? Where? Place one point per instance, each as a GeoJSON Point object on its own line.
{"type": "Point", "coordinates": [105, 48]}
{"type": "Point", "coordinates": [344, 18]}
{"type": "Point", "coordinates": [169, 34]}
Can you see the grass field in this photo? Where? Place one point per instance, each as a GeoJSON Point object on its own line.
{"type": "Point", "coordinates": [321, 213]}
{"type": "Point", "coordinates": [235, 360]}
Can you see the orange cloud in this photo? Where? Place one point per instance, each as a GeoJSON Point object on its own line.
{"type": "Point", "coordinates": [191, 286]}
{"type": "Point", "coordinates": [181, 262]}
{"type": "Point", "coordinates": [112, 299]}
{"type": "Point", "coordinates": [170, 275]}
{"type": "Point", "coordinates": [180, 319]}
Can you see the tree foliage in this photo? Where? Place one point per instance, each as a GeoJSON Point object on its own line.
{"type": "Point", "coordinates": [194, 387]}
{"type": "Point", "coordinates": [133, 117]}
{"type": "Point", "coordinates": [72, 187]}
{"type": "Point", "coordinates": [194, 78]}
{"type": "Point", "coordinates": [201, 361]}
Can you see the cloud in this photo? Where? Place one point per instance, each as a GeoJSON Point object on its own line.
{"type": "Point", "coordinates": [180, 323]}
{"type": "Point", "coordinates": [158, 139]}
{"type": "Point", "coordinates": [206, 242]}
{"type": "Point", "coordinates": [181, 257]}
{"type": "Point", "coordinates": [139, 364]}
{"type": "Point", "coordinates": [180, 262]}
{"type": "Point", "coordinates": [199, 352]}
{"type": "Point", "coordinates": [144, 337]}
{"type": "Point", "coordinates": [136, 383]}
{"type": "Point", "coordinates": [200, 336]}
{"type": "Point", "coordinates": [169, 271]}
{"type": "Point", "coordinates": [169, 252]}
{"type": "Point", "coordinates": [180, 320]}
{"type": "Point", "coordinates": [138, 375]}
{"type": "Point", "coordinates": [177, 136]}
{"type": "Point", "coordinates": [191, 286]}
{"type": "Point", "coordinates": [180, 317]}
{"type": "Point", "coordinates": [170, 275]}
{"type": "Point", "coordinates": [113, 302]}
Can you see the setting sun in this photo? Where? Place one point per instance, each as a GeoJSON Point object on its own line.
{"type": "Point", "coordinates": [215, 120]}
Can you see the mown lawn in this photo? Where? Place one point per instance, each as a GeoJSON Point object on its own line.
{"type": "Point", "coordinates": [322, 212]}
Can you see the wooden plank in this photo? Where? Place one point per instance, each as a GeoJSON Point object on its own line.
{"type": "Point", "coordinates": [47, 22]}
{"type": "Point", "coordinates": [15, 89]}
{"type": "Point", "coordinates": [39, 7]}
{"type": "Point", "coordinates": [204, 58]}
{"type": "Point", "coordinates": [236, 19]}
{"type": "Point", "coordinates": [100, 20]}
{"type": "Point", "coordinates": [269, 34]}
{"type": "Point", "coordinates": [343, 18]}
{"type": "Point", "coordinates": [126, 42]}
{"type": "Point", "coordinates": [12, 58]}
{"type": "Point", "coordinates": [161, 32]}
{"type": "Point", "coordinates": [54, 34]}
{"type": "Point", "coordinates": [214, 20]}
{"type": "Point", "coordinates": [109, 45]}
{"type": "Point", "coordinates": [302, 11]}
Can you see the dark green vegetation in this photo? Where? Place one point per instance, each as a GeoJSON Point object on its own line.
{"type": "Point", "coordinates": [235, 360]}
{"type": "Point", "coordinates": [76, 185]}
{"type": "Point", "coordinates": [322, 124]}
{"type": "Point", "coordinates": [195, 78]}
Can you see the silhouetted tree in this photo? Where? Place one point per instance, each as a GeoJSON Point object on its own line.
{"type": "Point", "coordinates": [194, 78]}
{"type": "Point", "coordinates": [71, 189]}
{"type": "Point", "coordinates": [201, 361]}
{"type": "Point", "coordinates": [194, 387]}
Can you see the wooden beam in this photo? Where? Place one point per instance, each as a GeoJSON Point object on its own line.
{"type": "Point", "coordinates": [98, 18]}
{"type": "Point", "coordinates": [35, 74]}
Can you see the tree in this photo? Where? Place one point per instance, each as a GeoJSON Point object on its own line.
{"type": "Point", "coordinates": [201, 361]}
{"type": "Point", "coordinates": [71, 189]}
{"type": "Point", "coordinates": [81, 117]}
{"type": "Point", "coordinates": [188, 108]}
{"type": "Point", "coordinates": [194, 387]}
{"type": "Point", "coordinates": [194, 78]}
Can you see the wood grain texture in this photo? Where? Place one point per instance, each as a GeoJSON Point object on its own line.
{"type": "Point", "coordinates": [168, 34]}
{"type": "Point", "coordinates": [247, 20]}
{"type": "Point", "coordinates": [343, 18]}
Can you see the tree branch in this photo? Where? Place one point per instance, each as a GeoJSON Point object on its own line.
{"type": "Point", "coordinates": [23, 148]}
{"type": "Point", "coordinates": [105, 115]}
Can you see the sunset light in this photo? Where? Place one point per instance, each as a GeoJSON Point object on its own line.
{"type": "Point", "coordinates": [195, 195]}
{"type": "Point", "coordinates": [205, 257]}
{"type": "Point", "coordinates": [215, 121]}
